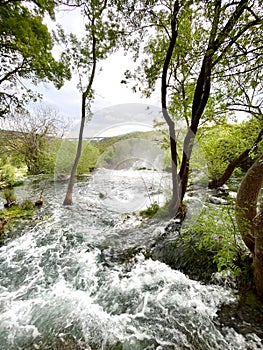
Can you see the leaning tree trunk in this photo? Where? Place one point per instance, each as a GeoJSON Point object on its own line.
{"type": "Point", "coordinates": [218, 182]}
{"type": "Point", "coordinates": [215, 183]}
{"type": "Point", "coordinates": [250, 221]}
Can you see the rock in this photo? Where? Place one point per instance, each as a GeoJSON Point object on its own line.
{"type": "Point", "coordinates": [233, 194]}
{"type": "Point", "coordinates": [174, 226]}
{"type": "Point", "coordinates": [217, 200]}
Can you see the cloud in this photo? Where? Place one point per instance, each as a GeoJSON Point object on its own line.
{"type": "Point", "coordinates": [119, 119]}
{"type": "Point", "coordinates": [114, 103]}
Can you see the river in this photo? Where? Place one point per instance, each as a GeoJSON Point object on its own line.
{"type": "Point", "coordinates": [66, 283]}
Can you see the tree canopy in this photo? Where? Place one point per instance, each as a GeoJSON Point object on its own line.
{"type": "Point", "coordinates": [26, 52]}
{"type": "Point", "coordinates": [197, 50]}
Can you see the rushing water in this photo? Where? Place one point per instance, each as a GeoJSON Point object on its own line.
{"type": "Point", "coordinates": [65, 282]}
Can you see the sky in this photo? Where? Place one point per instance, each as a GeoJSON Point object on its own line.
{"type": "Point", "coordinates": [116, 109]}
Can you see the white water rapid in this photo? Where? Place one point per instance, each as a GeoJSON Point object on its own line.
{"type": "Point", "coordinates": [65, 283]}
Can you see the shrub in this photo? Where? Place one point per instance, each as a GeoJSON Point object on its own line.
{"type": "Point", "coordinates": [9, 195]}
{"type": "Point", "coordinates": [27, 204]}
{"type": "Point", "coordinates": [215, 232]}
{"type": "Point", "coordinates": [151, 210]}
{"type": "Point", "coordinates": [7, 173]}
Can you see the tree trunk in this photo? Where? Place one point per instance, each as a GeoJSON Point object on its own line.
{"type": "Point", "coordinates": [250, 220]}
{"type": "Point", "coordinates": [86, 94]}
{"type": "Point", "coordinates": [174, 205]}
{"type": "Point", "coordinates": [215, 183]}
{"type": "Point", "coordinates": [175, 201]}
{"type": "Point", "coordinates": [185, 166]}
{"type": "Point", "coordinates": [68, 198]}
{"type": "Point", "coordinates": [203, 84]}
{"type": "Point", "coordinates": [246, 204]}
{"type": "Point", "coordinates": [258, 254]}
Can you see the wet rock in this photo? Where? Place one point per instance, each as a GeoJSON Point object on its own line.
{"type": "Point", "coordinates": [222, 191]}
{"type": "Point", "coordinates": [173, 227]}
{"type": "Point", "coordinates": [246, 316]}
{"type": "Point", "coordinates": [233, 194]}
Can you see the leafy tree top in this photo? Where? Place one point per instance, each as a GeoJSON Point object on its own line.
{"type": "Point", "coordinates": [225, 33]}
{"type": "Point", "coordinates": [26, 52]}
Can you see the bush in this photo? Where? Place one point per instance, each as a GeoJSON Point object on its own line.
{"type": "Point", "coordinates": [9, 195]}
{"type": "Point", "coordinates": [215, 232]}
{"type": "Point", "coordinates": [7, 173]}
{"type": "Point", "coordinates": [151, 210]}
{"type": "Point", "coordinates": [27, 204]}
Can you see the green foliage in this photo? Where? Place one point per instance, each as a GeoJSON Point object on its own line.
{"type": "Point", "coordinates": [151, 211]}
{"type": "Point", "coordinates": [39, 159]}
{"type": "Point", "coordinates": [42, 160]}
{"type": "Point", "coordinates": [27, 204]}
{"type": "Point", "coordinates": [26, 52]}
{"type": "Point", "coordinates": [9, 195]}
{"type": "Point", "coordinates": [215, 232]}
{"type": "Point", "coordinates": [66, 155]}
{"type": "Point", "coordinates": [88, 159]}
{"type": "Point", "coordinates": [7, 174]}
{"type": "Point", "coordinates": [222, 144]}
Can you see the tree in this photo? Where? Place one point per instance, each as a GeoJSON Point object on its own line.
{"type": "Point", "coordinates": [102, 29]}
{"type": "Point", "coordinates": [238, 161]}
{"type": "Point", "coordinates": [30, 136]}
{"type": "Point", "coordinates": [26, 52]}
{"type": "Point", "coordinates": [243, 93]}
{"type": "Point", "coordinates": [214, 32]}
{"type": "Point", "coordinates": [229, 146]}
{"type": "Point", "coordinates": [250, 218]}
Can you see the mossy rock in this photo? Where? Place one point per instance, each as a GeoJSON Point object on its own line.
{"type": "Point", "coordinates": [150, 211]}
{"type": "Point", "coordinates": [16, 212]}
{"type": "Point", "coordinates": [155, 211]}
{"type": "Point", "coordinates": [9, 216]}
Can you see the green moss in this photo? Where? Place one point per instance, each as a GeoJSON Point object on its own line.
{"type": "Point", "coordinates": [16, 212]}
{"type": "Point", "coordinates": [9, 216]}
